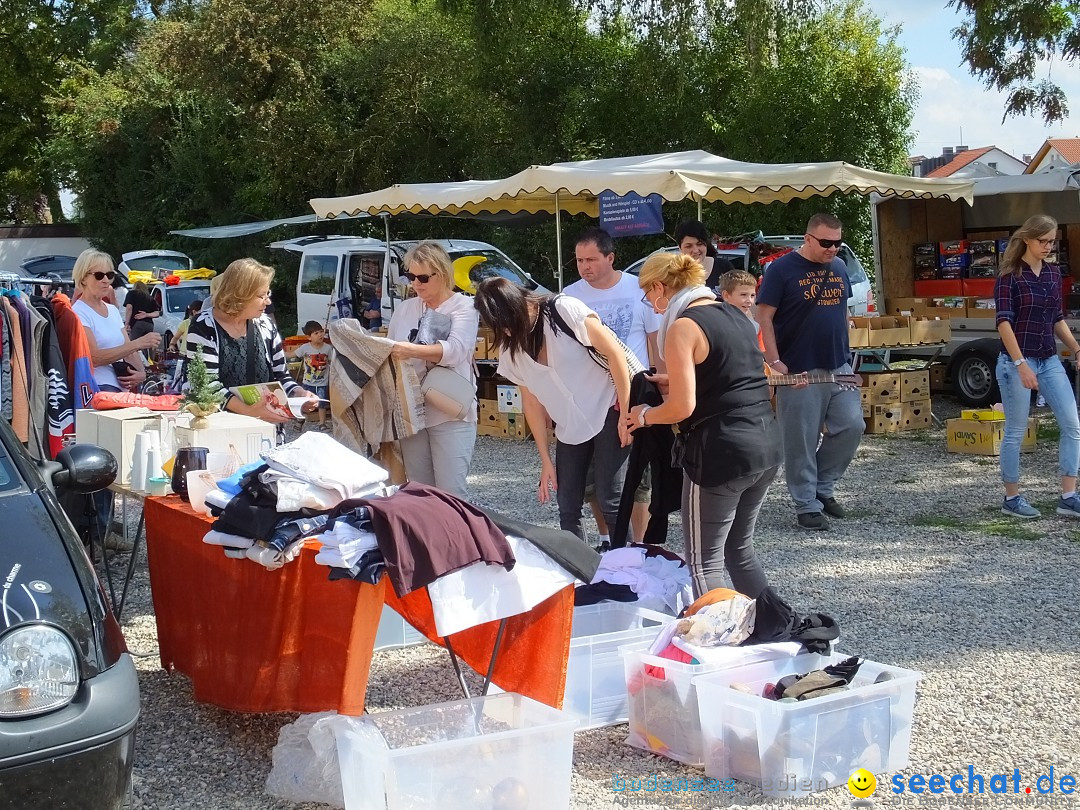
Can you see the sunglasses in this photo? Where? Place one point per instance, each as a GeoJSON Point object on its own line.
{"type": "Point", "coordinates": [99, 275]}
{"type": "Point", "coordinates": [423, 278]}
{"type": "Point", "coordinates": [827, 243]}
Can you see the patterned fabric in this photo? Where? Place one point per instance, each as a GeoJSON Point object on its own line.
{"type": "Point", "coordinates": [374, 398]}
{"type": "Point", "coordinates": [1032, 306]}
{"type": "Point", "coordinates": [203, 333]}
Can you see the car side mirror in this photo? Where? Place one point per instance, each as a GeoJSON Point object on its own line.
{"type": "Point", "coordinates": [83, 468]}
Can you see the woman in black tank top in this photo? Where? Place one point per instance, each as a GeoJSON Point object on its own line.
{"type": "Point", "coordinates": [728, 439]}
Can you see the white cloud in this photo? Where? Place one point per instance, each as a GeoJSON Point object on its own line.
{"type": "Point", "coordinates": [951, 101]}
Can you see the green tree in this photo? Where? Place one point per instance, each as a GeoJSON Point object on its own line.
{"type": "Point", "coordinates": [44, 43]}
{"type": "Point", "coordinates": [1009, 43]}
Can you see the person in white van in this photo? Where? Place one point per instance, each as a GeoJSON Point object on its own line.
{"type": "Point", "coordinates": [441, 453]}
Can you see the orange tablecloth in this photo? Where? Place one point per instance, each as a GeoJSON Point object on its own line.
{"type": "Point", "coordinates": [254, 640]}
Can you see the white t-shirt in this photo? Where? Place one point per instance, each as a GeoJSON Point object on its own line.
{"type": "Point", "coordinates": [574, 389]}
{"type": "Point", "coordinates": [108, 332]}
{"type": "Point", "coordinates": [620, 308]}
{"type": "Point", "coordinates": [458, 349]}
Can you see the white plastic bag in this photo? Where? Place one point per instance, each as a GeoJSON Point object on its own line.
{"type": "Point", "coordinates": [305, 762]}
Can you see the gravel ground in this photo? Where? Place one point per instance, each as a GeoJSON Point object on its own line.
{"type": "Point", "coordinates": [924, 574]}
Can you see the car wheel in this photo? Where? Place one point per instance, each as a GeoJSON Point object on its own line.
{"type": "Point", "coordinates": [973, 379]}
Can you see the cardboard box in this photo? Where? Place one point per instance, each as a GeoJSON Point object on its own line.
{"type": "Point", "coordinates": [982, 247]}
{"type": "Point", "coordinates": [951, 273]}
{"type": "Point", "coordinates": [884, 387]}
{"type": "Point", "coordinates": [889, 331]}
{"type": "Point", "coordinates": [481, 350]}
{"type": "Point", "coordinates": [858, 333]}
{"type": "Point", "coordinates": [867, 408]}
{"type": "Point", "coordinates": [915, 415]}
{"type": "Point", "coordinates": [982, 415]}
{"type": "Point", "coordinates": [982, 271]}
{"type": "Point", "coordinates": [984, 438]}
{"type": "Point", "coordinates": [502, 425]}
{"type": "Point", "coordinates": [981, 308]}
{"type": "Point", "coordinates": [926, 249]}
{"type": "Point", "coordinates": [904, 306]}
{"type": "Point", "coordinates": [914, 385]}
{"type": "Point", "coordinates": [115, 431]}
{"type": "Point", "coordinates": [228, 431]}
{"type": "Point", "coordinates": [884, 419]}
{"type": "Point", "coordinates": [926, 273]}
{"type": "Point", "coordinates": [509, 399]}
{"type": "Point", "coordinates": [1001, 245]}
{"type": "Point", "coordinates": [930, 330]}
{"type": "Point", "coordinates": [938, 378]}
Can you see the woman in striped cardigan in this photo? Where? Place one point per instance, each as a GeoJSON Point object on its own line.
{"type": "Point", "coordinates": [240, 344]}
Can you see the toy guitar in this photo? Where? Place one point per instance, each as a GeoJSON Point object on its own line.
{"type": "Point", "coordinates": [845, 381]}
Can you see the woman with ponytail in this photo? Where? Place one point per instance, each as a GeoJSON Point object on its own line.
{"type": "Point", "coordinates": [1029, 318]}
{"type": "Point", "coordinates": [728, 439]}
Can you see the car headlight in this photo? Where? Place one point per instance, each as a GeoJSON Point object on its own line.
{"type": "Point", "coordinates": [38, 671]}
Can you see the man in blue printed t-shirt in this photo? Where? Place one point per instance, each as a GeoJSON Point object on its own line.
{"type": "Point", "coordinates": [802, 310]}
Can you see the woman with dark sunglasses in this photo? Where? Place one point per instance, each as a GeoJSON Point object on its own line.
{"type": "Point", "coordinates": [441, 453]}
{"type": "Point", "coordinates": [117, 360]}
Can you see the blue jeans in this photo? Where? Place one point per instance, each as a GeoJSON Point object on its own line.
{"type": "Point", "coordinates": [1055, 388]}
{"type": "Point", "coordinates": [821, 425]}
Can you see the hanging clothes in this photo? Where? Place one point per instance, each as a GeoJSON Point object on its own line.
{"type": "Point", "coordinates": [20, 393]}
{"type": "Point", "coordinates": [59, 413]}
{"type": "Point", "coordinates": [76, 350]}
{"type": "Point", "coordinates": [6, 404]}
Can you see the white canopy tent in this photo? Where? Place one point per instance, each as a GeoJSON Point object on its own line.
{"type": "Point", "coordinates": [574, 187]}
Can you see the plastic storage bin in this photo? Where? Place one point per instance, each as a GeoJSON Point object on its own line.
{"type": "Point", "coordinates": [595, 681]}
{"type": "Point", "coordinates": [495, 751]}
{"type": "Point", "coordinates": [394, 631]}
{"type": "Point", "coordinates": [794, 749]}
{"type": "Point", "coordinates": [662, 697]}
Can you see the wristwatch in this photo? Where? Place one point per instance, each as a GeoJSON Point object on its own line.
{"type": "Point", "coordinates": [641, 415]}
{"type": "Point", "coordinates": [1018, 362]}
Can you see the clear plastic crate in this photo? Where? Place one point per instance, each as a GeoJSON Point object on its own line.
{"type": "Point", "coordinates": [394, 631]}
{"type": "Point", "coordinates": [791, 750]}
{"type": "Point", "coordinates": [495, 751]}
{"type": "Point", "coordinates": [595, 680]}
{"type": "Point", "coordinates": [662, 697]}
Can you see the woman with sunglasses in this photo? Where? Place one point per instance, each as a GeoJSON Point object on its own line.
{"type": "Point", "coordinates": [240, 345]}
{"type": "Point", "coordinates": [116, 358]}
{"type": "Point", "coordinates": [1027, 294]}
{"type": "Point", "coordinates": [441, 453]}
{"type": "Point", "coordinates": [729, 443]}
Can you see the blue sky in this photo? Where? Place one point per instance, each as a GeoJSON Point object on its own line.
{"type": "Point", "coordinates": [951, 98]}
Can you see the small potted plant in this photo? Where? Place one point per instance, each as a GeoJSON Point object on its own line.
{"type": "Point", "coordinates": [204, 393]}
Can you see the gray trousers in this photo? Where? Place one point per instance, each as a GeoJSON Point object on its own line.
{"type": "Point", "coordinates": [608, 461]}
{"type": "Point", "coordinates": [813, 464]}
{"type": "Point", "coordinates": [440, 456]}
{"type": "Point", "coordinates": [718, 532]}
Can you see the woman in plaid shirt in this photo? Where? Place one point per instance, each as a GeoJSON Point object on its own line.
{"type": "Point", "coordinates": [1030, 321]}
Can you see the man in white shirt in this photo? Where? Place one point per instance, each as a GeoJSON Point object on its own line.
{"type": "Point", "coordinates": [616, 298]}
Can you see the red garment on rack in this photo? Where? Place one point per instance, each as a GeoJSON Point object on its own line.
{"type": "Point", "coordinates": [76, 351]}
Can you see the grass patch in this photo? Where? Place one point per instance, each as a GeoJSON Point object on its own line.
{"type": "Point", "coordinates": [1073, 537]}
{"type": "Point", "coordinates": [1048, 431]}
{"type": "Point", "coordinates": [998, 525]}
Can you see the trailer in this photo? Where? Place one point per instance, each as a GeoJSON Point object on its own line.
{"type": "Point", "coordinates": [1001, 204]}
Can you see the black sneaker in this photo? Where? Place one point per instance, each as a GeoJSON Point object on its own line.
{"type": "Point", "coordinates": [813, 520]}
{"type": "Point", "coordinates": [832, 508]}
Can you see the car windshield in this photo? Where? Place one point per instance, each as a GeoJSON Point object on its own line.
{"type": "Point", "coordinates": [8, 479]}
{"type": "Point", "coordinates": [492, 264]}
{"type": "Point", "coordinates": [178, 298]}
{"type": "Point", "coordinates": [855, 271]}
{"type": "Point", "coordinates": [160, 263]}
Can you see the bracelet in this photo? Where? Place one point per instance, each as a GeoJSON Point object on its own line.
{"type": "Point", "coordinates": [772, 362]}
{"type": "Point", "coordinates": [641, 415]}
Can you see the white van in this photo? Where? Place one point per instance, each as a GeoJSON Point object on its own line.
{"type": "Point", "coordinates": [340, 274]}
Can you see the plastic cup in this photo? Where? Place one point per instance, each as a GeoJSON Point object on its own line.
{"type": "Point", "coordinates": [199, 483]}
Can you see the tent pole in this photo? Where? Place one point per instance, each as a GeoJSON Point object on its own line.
{"type": "Point", "coordinates": [558, 241]}
{"type": "Point", "coordinates": [699, 201]}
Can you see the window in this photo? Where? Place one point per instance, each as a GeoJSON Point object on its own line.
{"type": "Point", "coordinates": [178, 298]}
{"type": "Point", "coordinates": [167, 263]}
{"type": "Point", "coordinates": [992, 165]}
{"type": "Point", "coordinates": [318, 274]}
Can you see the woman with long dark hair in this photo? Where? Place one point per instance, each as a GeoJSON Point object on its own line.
{"type": "Point", "coordinates": [542, 340]}
{"type": "Point", "coordinates": [1030, 321]}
